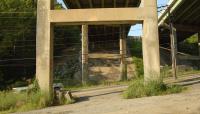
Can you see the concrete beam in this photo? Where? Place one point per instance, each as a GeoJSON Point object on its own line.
{"type": "Point", "coordinates": [150, 3]}
{"type": "Point", "coordinates": [104, 56]}
{"type": "Point", "coordinates": [194, 19]}
{"type": "Point", "coordinates": [181, 57]}
{"type": "Point", "coordinates": [187, 28]}
{"type": "Point", "coordinates": [65, 2]}
{"type": "Point", "coordinates": [98, 16]}
{"type": "Point", "coordinates": [150, 44]}
{"type": "Point", "coordinates": [189, 16]}
{"type": "Point", "coordinates": [44, 47]}
{"type": "Point", "coordinates": [185, 10]}
{"type": "Point", "coordinates": [173, 5]}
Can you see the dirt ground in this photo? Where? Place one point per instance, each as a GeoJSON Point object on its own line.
{"type": "Point", "coordinates": [110, 101]}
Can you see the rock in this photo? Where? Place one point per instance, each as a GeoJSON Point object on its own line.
{"type": "Point", "coordinates": [63, 97]}
{"type": "Point", "coordinates": [68, 96]}
{"type": "Point", "coordinates": [19, 89]}
{"type": "Point", "coordinates": [59, 97]}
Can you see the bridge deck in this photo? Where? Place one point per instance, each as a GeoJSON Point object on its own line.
{"type": "Point", "coordinates": [101, 32]}
{"type": "Point", "coordinates": [186, 18]}
{"type": "Point", "coordinates": [79, 4]}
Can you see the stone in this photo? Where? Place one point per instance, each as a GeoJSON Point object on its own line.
{"type": "Point", "coordinates": [68, 96]}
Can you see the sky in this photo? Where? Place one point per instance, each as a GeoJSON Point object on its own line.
{"type": "Point", "coordinates": [135, 30]}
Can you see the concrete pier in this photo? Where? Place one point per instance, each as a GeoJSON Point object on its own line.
{"type": "Point", "coordinates": [150, 43]}
{"type": "Point", "coordinates": [47, 17]}
{"type": "Point", "coordinates": [44, 46]}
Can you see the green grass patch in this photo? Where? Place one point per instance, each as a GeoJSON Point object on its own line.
{"type": "Point", "coordinates": [166, 71]}
{"type": "Point", "coordinates": [19, 102]}
{"type": "Point", "coordinates": [154, 88]}
{"type": "Point", "coordinates": [92, 85]}
{"type": "Point", "coordinates": [31, 99]}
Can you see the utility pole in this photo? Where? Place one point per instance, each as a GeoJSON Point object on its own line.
{"type": "Point", "coordinates": [199, 42]}
{"type": "Point", "coordinates": [173, 42]}
{"type": "Point", "coordinates": [84, 54]}
{"type": "Point", "coordinates": [123, 64]}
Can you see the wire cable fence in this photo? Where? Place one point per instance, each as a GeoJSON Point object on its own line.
{"type": "Point", "coordinates": [22, 48]}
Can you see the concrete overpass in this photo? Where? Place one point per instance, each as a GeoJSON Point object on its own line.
{"type": "Point", "coordinates": [180, 20]}
{"type": "Point", "coordinates": [86, 13]}
{"type": "Point", "coordinates": [185, 15]}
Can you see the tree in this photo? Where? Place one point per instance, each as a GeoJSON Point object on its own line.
{"type": "Point", "coordinates": [18, 40]}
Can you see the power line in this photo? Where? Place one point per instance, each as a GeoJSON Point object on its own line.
{"type": "Point", "coordinates": [17, 17]}
{"type": "Point", "coordinates": [71, 55]}
{"type": "Point", "coordinates": [163, 6]}
{"type": "Point", "coordinates": [99, 42]}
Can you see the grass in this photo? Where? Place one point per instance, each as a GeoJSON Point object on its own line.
{"type": "Point", "coordinates": [30, 99]}
{"type": "Point", "coordinates": [19, 102]}
{"type": "Point", "coordinates": [166, 71]}
{"type": "Point", "coordinates": [96, 85]}
{"type": "Point", "coordinates": [154, 88]}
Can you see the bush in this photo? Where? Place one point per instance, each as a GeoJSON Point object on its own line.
{"type": "Point", "coordinates": [138, 89]}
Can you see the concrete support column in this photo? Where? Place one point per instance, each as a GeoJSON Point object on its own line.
{"type": "Point", "coordinates": [199, 42]}
{"type": "Point", "coordinates": [150, 43]}
{"type": "Point", "coordinates": [84, 54]}
{"type": "Point", "coordinates": [123, 64]}
{"type": "Point", "coordinates": [44, 47]}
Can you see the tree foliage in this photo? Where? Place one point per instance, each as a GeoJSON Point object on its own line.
{"type": "Point", "coordinates": [18, 40]}
{"type": "Point", "coordinates": [17, 24]}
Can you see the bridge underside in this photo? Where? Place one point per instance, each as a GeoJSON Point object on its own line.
{"type": "Point", "coordinates": [186, 19]}
{"type": "Point", "coordinates": [82, 4]}
{"type": "Point", "coordinates": [113, 17]}
{"type": "Point", "coordinates": [103, 32]}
